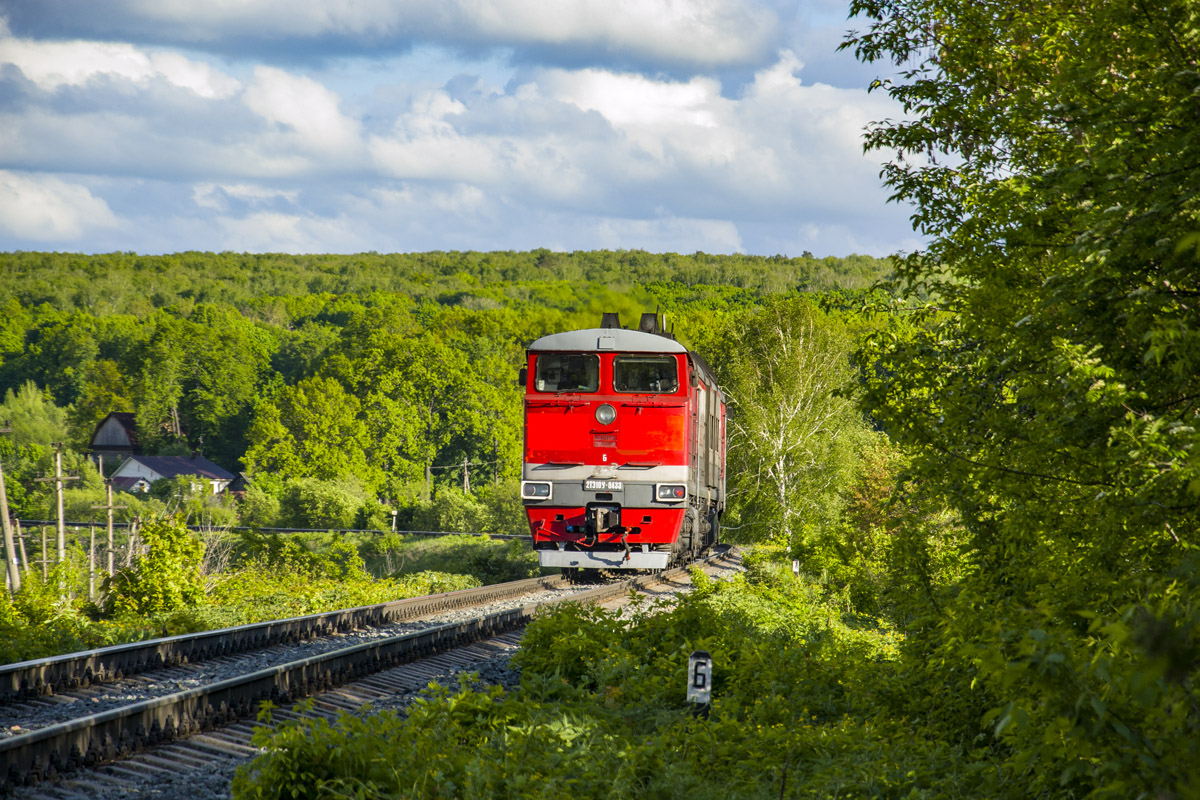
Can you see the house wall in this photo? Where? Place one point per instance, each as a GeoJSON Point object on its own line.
{"type": "Point", "coordinates": [112, 434]}
{"type": "Point", "coordinates": [134, 469]}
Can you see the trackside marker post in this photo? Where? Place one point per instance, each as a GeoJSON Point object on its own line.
{"type": "Point", "coordinates": [699, 688]}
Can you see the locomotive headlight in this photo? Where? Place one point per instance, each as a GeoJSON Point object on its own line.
{"type": "Point", "coordinates": [534, 490]}
{"type": "Point", "coordinates": [670, 492]}
{"type": "Point", "coordinates": [605, 414]}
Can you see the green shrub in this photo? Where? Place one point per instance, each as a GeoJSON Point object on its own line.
{"type": "Point", "coordinates": [166, 577]}
{"type": "Point", "coordinates": [312, 555]}
{"type": "Point", "coordinates": [373, 515]}
{"type": "Point", "coordinates": [488, 560]}
{"type": "Point", "coordinates": [259, 508]}
{"type": "Point", "coordinates": [504, 512]}
{"type": "Point", "coordinates": [257, 593]}
{"type": "Point", "coordinates": [41, 621]}
{"type": "Point", "coordinates": [314, 503]}
{"type": "Point", "coordinates": [451, 510]}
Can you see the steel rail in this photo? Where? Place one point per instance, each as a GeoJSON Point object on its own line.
{"type": "Point", "coordinates": [88, 741]}
{"type": "Point", "coordinates": [78, 525]}
{"type": "Point", "coordinates": [43, 676]}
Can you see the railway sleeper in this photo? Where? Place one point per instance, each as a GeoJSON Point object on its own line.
{"type": "Point", "coordinates": [99, 752]}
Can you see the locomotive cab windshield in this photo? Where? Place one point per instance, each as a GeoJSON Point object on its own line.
{"type": "Point", "coordinates": [646, 374]}
{"type": "Point", "coordinates": [567, 372]}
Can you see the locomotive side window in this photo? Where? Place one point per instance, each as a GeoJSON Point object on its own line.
{"type": "Point", "coordinates": [567, 372]}
{"type": "Point", "coordinates": [646, 374]}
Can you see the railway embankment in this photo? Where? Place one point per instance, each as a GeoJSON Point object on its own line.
{"type": "Point", "coordinates": [235, 685]}
{"type": "Point", "coordinates": [807, 700]}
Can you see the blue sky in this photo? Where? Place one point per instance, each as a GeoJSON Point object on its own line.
{"type": "Point", "coordinates": [403, 125]}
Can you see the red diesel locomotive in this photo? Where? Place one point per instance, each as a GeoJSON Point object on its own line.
{"type": "Point", "coordinates": [624, 448]}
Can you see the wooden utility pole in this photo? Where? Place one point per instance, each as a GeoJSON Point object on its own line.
{"type": "Point", "coordinates": [91, 561]}
{"type": "Point", "coordinates": [110, 508]}
{"type": "Point", "coordinates": [10, 552]}
{"type": "Point", "coordinates": [21, 544]}
{"type": "Point", "coordinates": [59, 479]}
{"type": "Point", "coordinates": [133, 528]}
{"type": "Point", "coordinates": [466, 476]}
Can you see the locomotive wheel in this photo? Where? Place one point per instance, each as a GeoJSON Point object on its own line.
{"type": "Point", "coordinates": [690, 537]}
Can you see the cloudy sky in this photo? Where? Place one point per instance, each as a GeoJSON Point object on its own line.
{"type": "Point", "coordinates": [408, 125]}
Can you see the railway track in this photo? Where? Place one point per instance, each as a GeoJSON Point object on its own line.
{"type": "Point", "coordinates": [202, 765]}
{"type": "Point", "coordinates": [42, 677]}
{"type": "Point", "coordinates": [28, 757]}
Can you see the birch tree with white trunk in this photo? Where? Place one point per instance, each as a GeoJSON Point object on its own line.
{"type": "Point", "coordinates": [792, 435]}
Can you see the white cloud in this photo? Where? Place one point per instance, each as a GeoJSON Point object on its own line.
{"type": "Point", "coordinates": [414, 216]}
{"type": "Point", "coordinates": [668, 235]}
{"type": "Point", "coordinates": [215, 196]}
{"type": "Point", "coordinates": [43, 208]}
{"type": "Point", "coordinates": [711, 32]}
{"type": "Point", "coordinates": [659, 116]}
{"type": "Point", "coordinates": [424, 143]}
{"type": "Point", "coordinates": [632, 99]}
{"type": "Point", "coordinates": [601, 141]}
{"type": "Point", "coordinates": [51, 65]}
{"type": "Point", "coordinates": [271, 232]}
{"type": "Point", "coordinates": [307, 112]}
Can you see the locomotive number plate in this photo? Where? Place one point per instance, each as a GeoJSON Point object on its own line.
{"type": "Point", "coordinates": [596, 484]}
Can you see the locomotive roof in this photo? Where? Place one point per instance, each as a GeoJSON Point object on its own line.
{"type": "Point", "coordinates": [608, 339]}
{"type": "Point", "coordinates": [617, 340]}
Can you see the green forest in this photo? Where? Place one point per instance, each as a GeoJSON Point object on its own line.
{"type": "Point", "coordinates": [345, 387]}
{"type": "Point", "coordinates": [984, 457]}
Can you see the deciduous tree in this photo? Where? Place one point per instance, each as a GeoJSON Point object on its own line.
{"type": "Point", "coordinates": [1051, 155]}
{"type": "Point", "coordinates": [793, 437]}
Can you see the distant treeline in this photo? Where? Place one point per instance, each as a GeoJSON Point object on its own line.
{"type": "Point", "coordinates": [131, 283]}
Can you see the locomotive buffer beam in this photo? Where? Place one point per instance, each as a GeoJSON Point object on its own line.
{"type": "Point", "coordinates": [586, 556]}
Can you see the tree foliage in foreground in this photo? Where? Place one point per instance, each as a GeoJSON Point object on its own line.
{"type": "Point", "coordinates": [601, 713]}
{"type": "Point", "coordinates": [1052, 156]}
